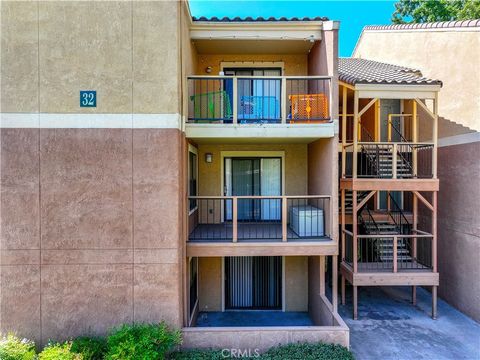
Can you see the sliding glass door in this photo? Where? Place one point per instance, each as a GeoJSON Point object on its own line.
{"type": "Point", "coordinates": [253, 177]}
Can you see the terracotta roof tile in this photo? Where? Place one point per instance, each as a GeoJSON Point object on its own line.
{"type": "Point", "coordinates": [432, 25]}
{"type": "Point", "coordinates": [362, 71]}
{"type": "Point", "coordinates": [257, 19]}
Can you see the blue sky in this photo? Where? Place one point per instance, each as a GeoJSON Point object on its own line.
{"type": "Point", "coordinates": [353, 15]}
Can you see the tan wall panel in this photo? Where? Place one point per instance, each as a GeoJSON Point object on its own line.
{"type": "Point", "coordinates": [85, 46]}
{"type": "Point", "coordinates": [210, 174]}
{"type": "Point", "coordinates": [210, 284]}
{"type": "Point", "coordinates": [293, 64]}
{"type": "Point", "coordinates": [296, 283]}
{"type": "Point", "coordinates": [156, 64]}
{"type": "Point", "coordinates": [446, 55]}
{"type": "Point", "coordinates": [19, 60]}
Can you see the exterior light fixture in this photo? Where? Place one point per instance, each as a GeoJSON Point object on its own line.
{"type": "Point", "coordinates": [208, 157]}
{"type": "Point", "coordinates": [208, 69]}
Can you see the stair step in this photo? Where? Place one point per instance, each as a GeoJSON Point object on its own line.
{"type": "Point", "coordinates": [399, 258]}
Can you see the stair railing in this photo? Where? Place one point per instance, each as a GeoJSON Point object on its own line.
{"type": "Point", "coordinates": [399, 153]}
{"type": "Point", "coordinates": [398, 216]}
{"type": "Point", "coordinates": [374, 161]}
{"type": "Point", "coordinates": [369, 216]}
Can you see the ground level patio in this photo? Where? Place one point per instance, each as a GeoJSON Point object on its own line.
{"type": "Point", "coordinates": [390, 327]}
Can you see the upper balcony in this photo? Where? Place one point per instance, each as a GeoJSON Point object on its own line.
{"type": "Point", "coordinates": [259, 106]}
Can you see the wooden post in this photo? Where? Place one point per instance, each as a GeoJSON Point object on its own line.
{"type": "Point", "coordinates": [388, 201]}
{"type": "Point", "coordinates": [414, 241]}
{"type": "Point", "coordinates": [394, 161]}
{"type": "Point", "coordinates": [355, 134]}
{"type": "Point", "coordinates": [234, 219]}
{"type": "Point", "coordinates": [395, 260]}
{"type": "Point", "coordinates": [335, 283]}
{"type": "Point", "coordinates": [434, 302]}
{"type": "Point", "coordinates": [434, 232]}
{"type": "Point", "coordinates": [389, 128]}
{"type": "Point", "coordinates": [355, 303]}
{"type": "Point", "coordinates": [414, 138]}
{"type": "Point", "coordinates": [321, 264]}
{"type": "Point", "coordinates": [284, 218]}
{"type": "Point", "coordinates": [354, 228]}
{"type": "Point", "coordinates": [435, 136]}
{"type": "Point", "coordinates": [344, 130]}
{"type": "Point", "coordinates": [342, 208]}
{"type": "Point", "coordinates": [414, 295]}
{"type": "Point", "coordinates": [284, 99]}
{"type": "Point", "coordinates": [235, 100]}
{"type": "Point", "coordinates": [343, 290]}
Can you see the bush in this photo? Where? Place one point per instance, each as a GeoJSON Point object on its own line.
{"type": "Point", "coordinates": [290, 352]}
{"type": "Point", "coordinates": [308, 352]}
{"type": "Point", "coordinates": [91, 348]}
{"type": "Point", "coordinates": [141, 342]}
{"type": "Point", "coordinates": [14, 348]}
{"type": "Point", "coordinates": [55, 351]}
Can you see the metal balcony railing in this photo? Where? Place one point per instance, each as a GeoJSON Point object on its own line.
{"type": "Point", "coordinates": [259, 99]}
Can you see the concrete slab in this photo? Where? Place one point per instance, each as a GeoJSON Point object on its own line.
{"type": "Point", "coordinates": [390, 327]}
{"type": "Point", "coordinates": [253, 318]}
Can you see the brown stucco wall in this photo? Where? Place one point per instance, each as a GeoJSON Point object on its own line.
{"type": "Point", "coordinates": [459, 226]}
{"type": "Point", "coordinates": [90, 230]}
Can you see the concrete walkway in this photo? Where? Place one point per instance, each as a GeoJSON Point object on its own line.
{"type": "Point", "coordinates": [390, 327]}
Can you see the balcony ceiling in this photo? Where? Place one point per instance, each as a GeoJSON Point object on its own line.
{"type": "Point", "coordinates": [222, 46]}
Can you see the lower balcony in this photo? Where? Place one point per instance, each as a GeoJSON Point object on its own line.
{"type": "Point", "coordinates": [238, 225]}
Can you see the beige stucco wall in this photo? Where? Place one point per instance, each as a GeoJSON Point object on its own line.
{"type": "Point", "coordinates": [296, 283]}
{"type": "Point", "coordinates": [210, 174]}
{"type": "Point", "coordinates": [446, 55]}
{"type": "Point", "coordinates": [294, 64]}
{"type": "Point", "coordinates": [52, 50]}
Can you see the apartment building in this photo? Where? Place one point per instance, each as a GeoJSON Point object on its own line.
{"type": "Point", "coordinates": [157, 167]}
{"type": "Point", "coordinates": [445, 51]}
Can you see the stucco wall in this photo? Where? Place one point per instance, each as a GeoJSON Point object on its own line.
{"type": "Point", "coordinates": [210, 174]}
{"type": "Point", "coordinates": [82, 245]}
{"type": "Point", "coordinates": [52, 50]}
{"type": "Point", "coordinates": [446, 55]}
{"type": "Point", "coordinates": [293, 64]}
{"type": "Point", "coordinates": [296, 283]}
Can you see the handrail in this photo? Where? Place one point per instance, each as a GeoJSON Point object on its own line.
{"type": "Point", "coordinates": [397, 210]}
{"type": "Point", "coordinates": [218, 217]}
{"type": "Point", "coordinates": [394, 142]}
{"type": "Point", "coordinates": [369, 214]}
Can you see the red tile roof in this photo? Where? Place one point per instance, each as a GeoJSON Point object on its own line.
{"type": "Point", "coordinates": [432, 25]}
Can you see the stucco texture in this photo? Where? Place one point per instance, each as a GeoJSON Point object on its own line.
{"type": "Point", "coordinates": [91, 233]}
{"type": "Point", "coordinates": [445, 55]}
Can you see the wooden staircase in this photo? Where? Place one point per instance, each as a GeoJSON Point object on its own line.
{"type": "Point", "coordinates": [381, 160]}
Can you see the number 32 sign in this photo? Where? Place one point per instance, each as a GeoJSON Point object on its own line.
{"type": "Point", "coordinates": [88, 98]}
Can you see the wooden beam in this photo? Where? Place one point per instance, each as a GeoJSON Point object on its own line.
{"type": "Point", "coordinates": [354, 230]}
{"type": "Point", "coordinates": [364, 201]}
{"type": "Point", "coordinates": [424, 107]}
{"type": "Point", "coordinates": [234, 219]}
{"type": "Point", "coordinates": [343, 289]}
{"type": "Point", "coordinates": [344, 130]}
{"type": "Point", "coordinates": [355, 302]}
{"type": "Point", "coordinates": [361, 112]}
{"type": "Point", "coordinates": [355, 133]}
{"type": "Point", "coordinates": [434, 232]}
{"type": "Point", "coordinates": [424, 201]}
{"type": "Point", "coordinates": [335, 283]}
{"type": "Point", "coordinates": [390, 184]}
{"type": "Point", "coordinates": [395, 257]}
{"type": "Point", "coordinates": [284, 219]}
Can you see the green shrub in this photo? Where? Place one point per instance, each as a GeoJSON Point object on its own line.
{"type": "Point", "coordinates": [91, 348]}
{"type": "Point", "coordinates": [141, 342]}
{"type": "Point", "coordinates": [308, 352]}
{"type": "Point", "coordinates": [197, 355]}
{"type": "Point", "coordinates": [14, 348]}
{"type": "Point", "coordinates": [290, 352]}
{"type": "Point", "coordinates": [55, 351]}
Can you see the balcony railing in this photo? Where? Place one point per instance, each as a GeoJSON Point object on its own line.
{"type": "Point", "coordinates": [387, 160]}
{"type": "Point", "coordinates": [260, 218]}
{"type": "Point", "coordinates": [388, 253]}
{"type": "Point", "coordinates": [259, 99]}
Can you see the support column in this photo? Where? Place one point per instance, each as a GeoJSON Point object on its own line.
{"type": "Point", "coordinates": [343, 290]}
{"type": "Point", "coordinates": [414, 295]}
{"type": "Point", "coordinates": [355, 134]}
{"type": "Point", "coordinates": [335, 283]}
{"type": "Point", "coordinates": [434, 302]}
{"type": "Point", "coordinates": [344, 130]}
{"type": "Point", "coordinates": [355, 303]}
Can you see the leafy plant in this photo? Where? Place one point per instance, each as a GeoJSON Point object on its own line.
{"type": "Point", "coordinates": [308, 352]}
{"type": "Point", "coordinates": [142, 342]}
{"type": "Point", "coordinates": [56, 351]}
{"type": "Point", "coordinates": [91, 348]}
{"type": "Point", "coordinates": [14, 348]}
{"type": "Point", "coordinates": [420, 11]}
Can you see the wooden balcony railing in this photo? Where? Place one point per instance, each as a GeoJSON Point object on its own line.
{"type": "Point", "coordinates": [388, 253]}
{"type": "Point", "coordinates": [388, 160]}
{"type": "Point", "coordinates": [259, 99]}
{"type": "Point", "coordinates": [260, 218]}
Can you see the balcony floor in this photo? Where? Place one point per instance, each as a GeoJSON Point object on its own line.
{"type": "Point", "coordinates": [253, 318]}
{"type": "Point", "coordinates": [254, 232]}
